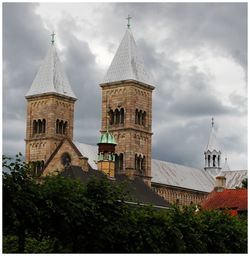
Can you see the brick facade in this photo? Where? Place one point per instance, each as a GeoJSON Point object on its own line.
{"type": "Point", "coordinates": [56, 164]}
{"type": "Point", "coordinates": [133, 139]}
{"type": "Point", "coordinates": [179, 195]}
{"type": "Point", "coordinates": [48, 109]}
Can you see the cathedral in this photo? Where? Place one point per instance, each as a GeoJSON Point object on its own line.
{"type": "Point", "coordinates": [125, 145]}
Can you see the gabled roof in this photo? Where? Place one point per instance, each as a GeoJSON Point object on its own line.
{"type": "Point", "coordinates": [181, 176]}
{"type": "Point", "coordinates": [89, 151]}
{"type": "Point", "coordinates": [234, 178]}
{"type": "Point", "coordinates": [51, 77]}
{"type": "Point", "coordinates": [227, 199]}
{"type": "Point", "coordinates": [127, 63]}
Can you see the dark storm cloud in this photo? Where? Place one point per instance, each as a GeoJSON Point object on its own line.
{"type": "Point", "coordinates": [24, 45]}
{"type": "Point", "coordinates": [84, 76]}
{"type": "Point", "coordinates": [223, 25]}
{"type": "Point", "coordinates": [182, 143]}
{"type": "Point", "coordinates": [183, 100]}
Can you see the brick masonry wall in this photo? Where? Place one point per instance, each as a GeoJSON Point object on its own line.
{"type": "Point", "coordinates": [179, 195]}
{"type": "Point", "coordinates": [49, 107]}
{"type": "Point", "coordinates": [131, 138]}
{"type": "Point", "coordinates": [56, 164]}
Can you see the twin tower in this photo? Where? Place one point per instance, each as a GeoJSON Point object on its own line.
{"type": "Point", "coordinates": [126, 110]}
{"type": "Point", "coordinates": [126, 114]}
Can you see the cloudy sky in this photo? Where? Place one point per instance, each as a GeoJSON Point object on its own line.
{"type": "Point", "coordinates": [196, 54]}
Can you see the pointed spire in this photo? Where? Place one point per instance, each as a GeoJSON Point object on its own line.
{"type": "Point", "coordinates": [51, 77]}
{"type": "Point", "coordinates": [212, 143]}
{"type": "Point", "coordinates": [226, 166]}
{"type": "Point", "coordinates": [127, 64]}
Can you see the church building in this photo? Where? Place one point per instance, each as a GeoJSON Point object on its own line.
{"type": "Point", "coordinates": [125, 145]}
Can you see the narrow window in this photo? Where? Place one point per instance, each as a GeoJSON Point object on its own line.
{"type": "Point", "coordinates": [65, 127]}
{"type": "Point", "coordinates": [144, 118]}
{"type": "Point", "coordinates": [122, 116]}
{"type": "Point", "coordinates": [136, 116]}
{"type": "Point", "coordinates": [34, 127]}
{"type": "Point", "coordinates": [117, 116]}
{"type": "Point", "coordinates": [60, 127]}
{"type": "Point", "coordinates": [209, 159]}
{"type": "Point", "coordinates": [111, 117]}
{"type": "Point", "coordinates": [43, 126]}
{"type": "Point", "coordinates": [214, 160]}
{"type": "Point", "coordinates": [40, 126]}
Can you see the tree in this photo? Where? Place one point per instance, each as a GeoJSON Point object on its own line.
{"type": "Point", "coordinates": [58, 214]}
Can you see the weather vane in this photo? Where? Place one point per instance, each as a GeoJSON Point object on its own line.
{"type": "Point", "coordinates": [128, 18]}
{"type": "Point", "coordinates": [53, 37]}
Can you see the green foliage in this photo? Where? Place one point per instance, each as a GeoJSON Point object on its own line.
{"type": "Point", "coordinates": [244, 183]}
{"type": "Point", "coordinates": [60, 215]}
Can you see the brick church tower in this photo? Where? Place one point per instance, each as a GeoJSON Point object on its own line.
{"type": "Point", "coordinates": [127, 90]}
{"type": "Point", "coordinates": [50, 109]}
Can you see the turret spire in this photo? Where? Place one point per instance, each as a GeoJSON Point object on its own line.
{"type": "Point", "coordinates": [127, 63]}
{"type": "Point", "coordinates": [51, 77]}
{"type": "Point", "coordinates": [212, 152]}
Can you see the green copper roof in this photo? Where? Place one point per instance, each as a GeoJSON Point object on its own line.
{"type": "Point", "coordinates": [107, 138]}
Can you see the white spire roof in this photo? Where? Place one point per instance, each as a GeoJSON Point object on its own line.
{"type": "Point", "coordinates": [127, 63]}
{"type": "Point", "coordinates": [212, 143]}
{"type": "Point", "coordinates": [51, 77]}
{"type": "Point", "coordinates": [226, 166]}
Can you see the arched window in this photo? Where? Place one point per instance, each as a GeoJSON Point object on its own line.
{"type": "Point", "coordinates": [144, 118]}
{"type": "Point", "coordinates": [40, 126]}
{"type": "Point", "coordinates": [139, 117]}
{"type": "Point", "coordinates": [218, 161]}
{"type": "Point", "coordinates": [34, 127]}
{"type": "Point", "coordinates": [122, 115]}
{"type": "Point", "coordinates": [136, 116]}
{"type": "Point", "coordinates": [65, 159]}
{"type": "Point", "coordinates": [214, 160]}
{"type": "Point", "coordinates": [117, 116]}
{"type": "Point", "coordinates": [60, 127]}
{"type": "Point", "coordinates": [65, 127]}
{"type": "Point", "coordinates": [43, 126]}
{"type": "Point", "coordinates": [116, 163]}
{"type": "Point", "coordinates": [209, 160]}
{"type": "Point", "coordinates": [119, 162]}
{"type": "Point", "coordinates": [111, 117]}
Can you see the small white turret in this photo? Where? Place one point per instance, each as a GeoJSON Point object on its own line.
{"type": "Point", "coordinates": [213, 154]}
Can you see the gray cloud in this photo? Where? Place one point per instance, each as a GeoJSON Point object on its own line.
{"type": "Point", "coordinates": [183, 100]}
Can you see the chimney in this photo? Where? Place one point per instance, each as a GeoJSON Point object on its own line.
{"type": "Point", "coordinates": [220, 183]}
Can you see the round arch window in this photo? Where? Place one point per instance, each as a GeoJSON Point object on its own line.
{"type": "Point", "coordinates": [65, 159]}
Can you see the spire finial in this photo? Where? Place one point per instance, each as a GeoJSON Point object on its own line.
{"type": "Point", "coordinates": [53, 37]}
{"type": "Point", "coordinates": [128, 18]}
{"type": "Point", "coordinates": [212, 122]}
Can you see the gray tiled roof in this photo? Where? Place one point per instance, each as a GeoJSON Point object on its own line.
{"type": "Point", "coordinates": [51, 77]}
{"type": "Point", "coordinates": [127, 63]}
{"type": "Point", "coordinates": [172, 174]}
